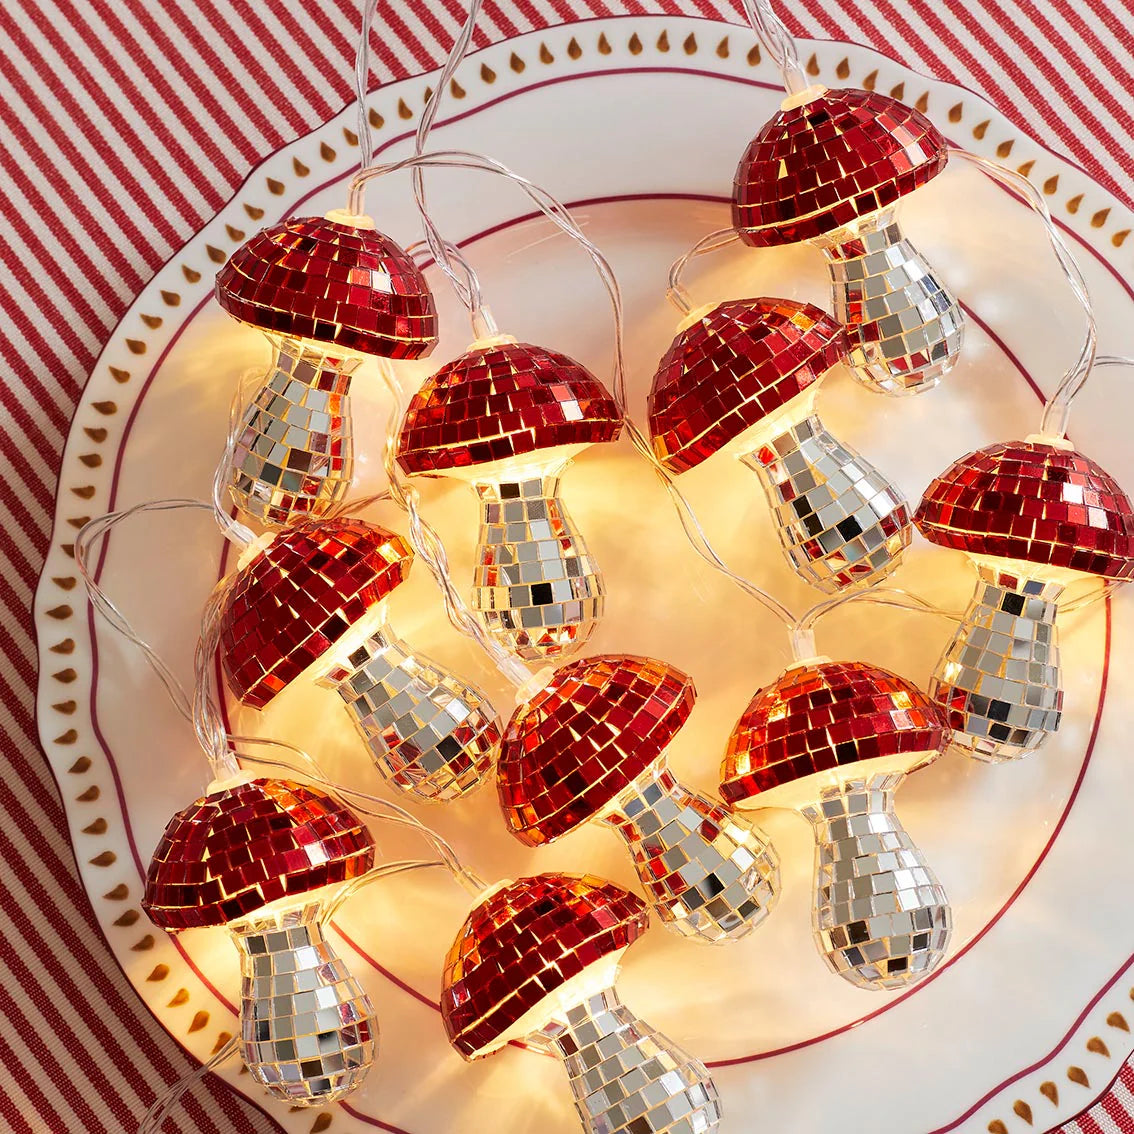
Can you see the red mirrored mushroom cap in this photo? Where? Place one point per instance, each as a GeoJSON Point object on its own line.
{"type": "Point", "coordinates": [822, 165]}
{"type": "Point", "coordinates": [826, 715]}
{"type": "Point", "coordinates": [523, 942]}
{"type": "Point", "coordinates": [298, 596]}
{"type": "Point", "coordinates": [585, 737]}
{"type": "Point", "coordinates": [1034, 502]}
{"type": "Point", "coordinates": [506, 401]}
{"type": "Point", "coordinates": [232, 852]}
{"type": "Point", "coordinates": [347, 287]}
{"type": "Point", "coordinates": [743, 360]}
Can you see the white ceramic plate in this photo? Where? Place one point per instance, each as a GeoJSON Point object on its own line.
{"type": "Point", "coordinates": [640, 122]}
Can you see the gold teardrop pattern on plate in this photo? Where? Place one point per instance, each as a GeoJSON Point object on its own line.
{"type": "Point", "coordinates": [1050, 1092]}
{"type": "Point", "coordinates": [1022, 1110]}
{"type": "Point", "coordinates": [689, 46]}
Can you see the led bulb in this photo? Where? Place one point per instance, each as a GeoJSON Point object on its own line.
{"type": "Point", "coordinates": [327, 291]}
{"type": "Point", "coordinates": [537, 961]}
{"type": "Point", "coordinates": [742, 378]}
{"type": "Point", "coordinates": [707, 873]}
{"type": "Point", "coordinates": [294, 451]}
{"type": "Point", "coordinates": [829, 168]}
{"type": "Point", "coordinates": [1034, 516]}
{"type": "Point", "coordinates": [309, 1033]}
{"type": "Point", "coordinates": [261, 857]}
{"type": "Point", "coordinates": [590, 745]}
{"type": "Point", "coordinates": [311, 603]}
{"type": "Point", "coordinates": [509, 417]}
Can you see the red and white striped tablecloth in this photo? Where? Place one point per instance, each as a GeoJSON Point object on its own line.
{"type": "Point", "coordinates": [126, 125]}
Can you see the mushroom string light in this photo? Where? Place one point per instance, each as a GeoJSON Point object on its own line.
{"type": "Point", "coordinates": [1033, 516]}
{"type": "Point", "coordinates": [327, 292]}
{"type": "Point", "coordinates": [830, 167]}
{"type": "Point", "coordinates": [312, 601]}
{"type": "Point", "coordinates": [262, 857]}
{"type": "Point", "coordinates": [742, 377]}
{"type": "Point", "coordinates": [537, 960]}
{"type": "Point", "coordinates": [509, 417]}
{"type": "Point", "coordinates": [833, 741]}
{"type": "Point", "coordinates": [591, 745]}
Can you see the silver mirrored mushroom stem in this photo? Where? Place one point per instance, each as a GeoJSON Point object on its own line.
{"type": "Point", "coordinates": [309, 1033]}
{"type": "Point", "coordinates": [626, 1077]}
{"type": "Point", "coordinates": [430, 733]}
{"type": "Point", "coordinates": [708, 874]}
{"type": "Point", "coordinates": [833, 740]}
{"type": "Point", "coordinates": [999, 680]}
{"type": "Point", "coordinates": [293, 456]}
{"type": "Point", "coordinates": [881, 918]}
{"type": "Point", "coordinates": [535, 586]}
{"type": "Point", "coordinates": [841, 523]}
{"type": "Point", "coordinates": [905, 328]}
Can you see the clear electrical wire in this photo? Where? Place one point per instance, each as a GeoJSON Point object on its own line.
{"type": "Point", "coordinates": [561, 217]}
{"type": "Point", "coordinates": [201, 710]}
{"type": "Point", "coordinates": [803, 631]}
{"type": "Point", "coordinates": [162, 1106]}
{"type": "Point", "coordinates": [1058, 406]}
{"type": "Point", "coordinates": [466, 283]}
{"type": "Point", "coordinates": [777, 41]}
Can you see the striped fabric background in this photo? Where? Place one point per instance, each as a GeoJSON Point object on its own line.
{"type": "Point", "coordinates": [125, 125]}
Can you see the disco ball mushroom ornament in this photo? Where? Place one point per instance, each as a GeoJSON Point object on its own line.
{"type": "Point", "coordinates": [830, 168]}
{"type": "Point", "coordinates": [328, 292]}
{"type": "Point", "coordinates": [262, 857]}
{"type": "Point", "coordinates": [590, 745]}
{"type": "Point", "coordinates": [310, 602]}
{"type": "Point", "coordinates": [833, 741]}
{"type": "Point", "coordinates": [537, 960]}
{"type": "Point", "coordinates": [509, 418]}
{"type": "Point", "coordinates": [1034, 516]}
{"type": "Point", "coordinates": [742, 378]}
